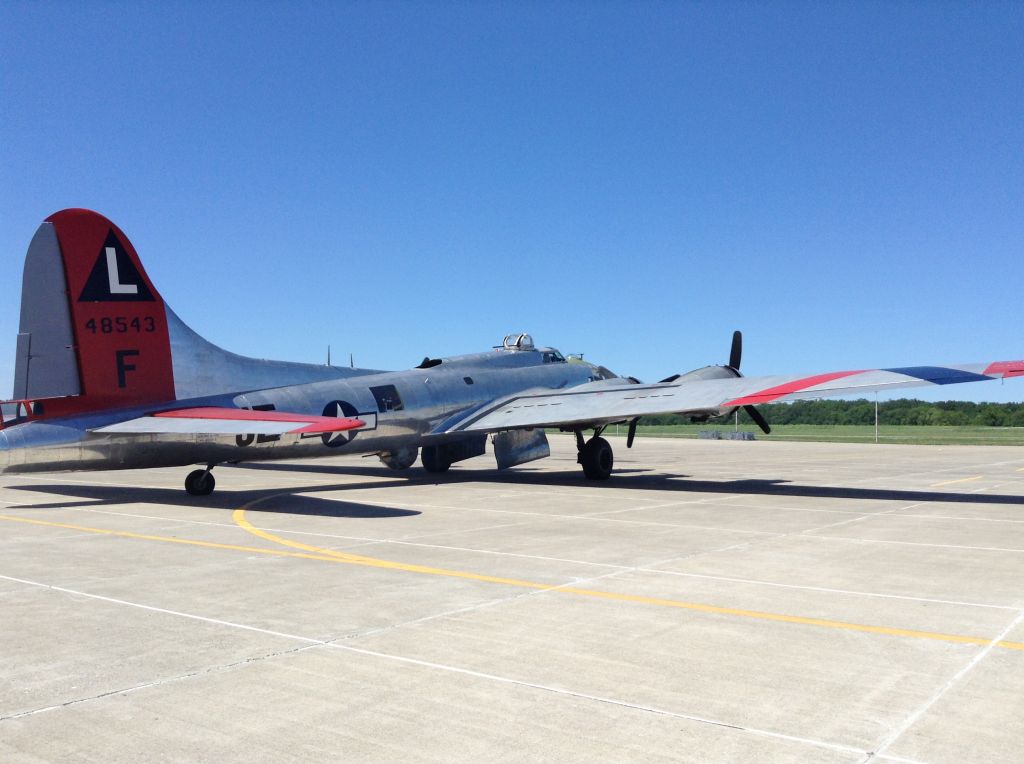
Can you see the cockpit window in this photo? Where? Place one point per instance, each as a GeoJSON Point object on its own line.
{"type": "Point", "coordinates": [597, 371]}
{"type": "Point", "coordinates": [553, 356]}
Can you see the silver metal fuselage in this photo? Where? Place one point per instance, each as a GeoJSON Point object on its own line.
{"type": "Point", "coordinates": [408, 411]}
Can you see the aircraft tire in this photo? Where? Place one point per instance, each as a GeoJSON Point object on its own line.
{"type": "Point", "coordinates": [597, 459]}
{"type": "Point", "coordinates": [200, 483]}
{"type": "Point", "coordinates": [432, 459]}
{"type": "Point", "coordinates": [399, 458]}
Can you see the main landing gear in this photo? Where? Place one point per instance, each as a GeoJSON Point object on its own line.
{"type": "Point", "coordinates": [200, 482]}
{"type": "Point", "coordinates": [595, 455]}
{"type": "Point", "coordinates": [435, 459]}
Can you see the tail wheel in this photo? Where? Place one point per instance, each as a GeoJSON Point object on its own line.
{"type": "Point", "coordinates": [433, 460]}
{"type": "Point", "coordinates": [200, 483]}
{"type": "Point", "coordinates": [597, 459]}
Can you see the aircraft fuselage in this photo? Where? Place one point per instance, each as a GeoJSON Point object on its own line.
{"type": "Point", "coordinates": [401, 409]}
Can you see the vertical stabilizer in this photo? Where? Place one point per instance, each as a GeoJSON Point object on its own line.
{"type": "Point", "coordinates": [117, 317]}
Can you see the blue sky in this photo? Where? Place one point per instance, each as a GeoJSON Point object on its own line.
{"type": "Point", "coordinates": [842, 181]}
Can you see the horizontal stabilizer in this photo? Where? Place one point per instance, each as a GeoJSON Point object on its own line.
{"type": "Point", "coordinates": [211, 420]}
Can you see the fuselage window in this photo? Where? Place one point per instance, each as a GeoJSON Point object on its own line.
{"type": "Point", "coordinates": [468, 380]}
{"type": "Point", "coordinates": [387, 398]}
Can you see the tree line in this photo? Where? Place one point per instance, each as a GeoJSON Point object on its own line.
{"type": "Point", "coordinates": [898, 412]}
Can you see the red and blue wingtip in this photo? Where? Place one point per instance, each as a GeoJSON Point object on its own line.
{"type": "Point", "coordinates": [1005, 369]}
{"type": "Point", "coordinates": [880, 379]}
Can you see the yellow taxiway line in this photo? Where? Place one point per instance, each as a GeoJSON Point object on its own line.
{"type": "Point", "coordinates": [958, 480]}
{"type": "Point", "coordinates": [240, 519]}
{"type": "Point", "coordinates": [308, 552]}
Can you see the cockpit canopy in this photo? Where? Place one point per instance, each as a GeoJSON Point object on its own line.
{"type": "Point", "coordinates": [517, 351]}
{"type": "Point", "coordinates": [524, 343]}
{"type": "Point", "coordinates": [517, 342]}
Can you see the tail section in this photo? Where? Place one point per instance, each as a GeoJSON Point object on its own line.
{"type": "Point", "coordinates": [93, 326]}
{"type": "Point", "coordinates": [96, 334]}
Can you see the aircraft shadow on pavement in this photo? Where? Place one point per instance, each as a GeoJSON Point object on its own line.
{"type": "Point", "coordinates": [290, 501]}
{"type": "Point", "coordinates": [642, 479]}
{"type": "Point", "coordinates": [413, 474]}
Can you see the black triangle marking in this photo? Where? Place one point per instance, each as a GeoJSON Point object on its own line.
{"type": "Point", "coordinates": [98, 286]}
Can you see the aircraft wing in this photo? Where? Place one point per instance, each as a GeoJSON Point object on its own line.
{"type": "Point", "coordinates": [614, 400]}
{"type": "Point", "coordinates": [212, 420]}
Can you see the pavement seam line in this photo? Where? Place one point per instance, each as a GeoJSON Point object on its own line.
{"type": "Point", "coordinates": [156, 683]}
{"type": "Point", "coordinates": [911, 720]}
{"type": "Point", "coordinates": [958, 480]}
{"type": "Point", "coordinates": [164, 611]}
{"type": "Point", "coordinates": [341, 557]}
{"type": "Point", "coordinates": [917, 543]}
{"type": "Point", "coordinates": [599, 699]}
{"type": "Point", "coordinates": [331, 556]}
{"type": "Point", "coordinates": [592, 517]}
{"type": "Point", "coordinates": [498, 601]}
{"type": "Point", "coordinates": [828, 590]}
{"type": "Point", "coordinates": [311, 643]}
{"type": "Point", "coordinates": [893, 757]}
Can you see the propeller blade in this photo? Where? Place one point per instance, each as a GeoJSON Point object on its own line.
{"type": "Point", "coordinates": [736, 352]}
{"type": "Point", "coordinates": [759, 420]}
{"type": "Point", "coordinates": [632, 432]}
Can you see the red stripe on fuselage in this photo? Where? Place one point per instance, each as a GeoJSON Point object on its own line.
{"type": "Point", "coordinates": [315, 423]}
{"type": "Point", "coordinates": [1005, 369]}
{"type": "Point", "coordinates": [780, 391]}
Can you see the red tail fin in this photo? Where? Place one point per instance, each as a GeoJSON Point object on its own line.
{"type": "Point", "coordinates": [119, 322]}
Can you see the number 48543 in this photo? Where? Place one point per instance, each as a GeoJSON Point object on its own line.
{"type": "Point", "coordinates": [120, 325]}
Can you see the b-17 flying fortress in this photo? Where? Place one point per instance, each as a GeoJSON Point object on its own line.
{"type": "Point", "coordinates": [107, 376]}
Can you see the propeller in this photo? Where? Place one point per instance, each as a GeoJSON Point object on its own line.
{"type": "Point", "coordinates": [735, 356]}
{"type": "Point", "coordinates": [759, 420]}
{"type": "Point", "coordinates": [736, 351]}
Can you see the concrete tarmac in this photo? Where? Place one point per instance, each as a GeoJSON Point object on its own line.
{"type": "Point", "coordinates": [714, 601]}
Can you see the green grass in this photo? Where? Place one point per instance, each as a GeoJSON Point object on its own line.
{"type": "Point", "coordinates": [925, 435]}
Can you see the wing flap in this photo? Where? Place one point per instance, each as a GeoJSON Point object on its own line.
{"type": "Point", "coordinates": [212, 420]}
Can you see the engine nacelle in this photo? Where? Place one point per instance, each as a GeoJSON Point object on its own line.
{"type": "Point", "coordinates": [709, 372]}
